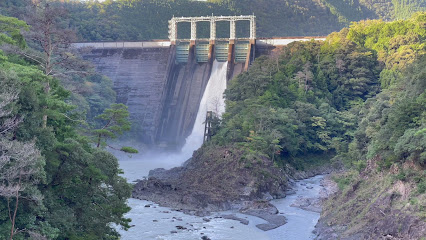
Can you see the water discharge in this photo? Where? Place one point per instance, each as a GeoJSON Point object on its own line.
{"type": "Point", "coordinates": [155, 222]}
{"type": "Point", "coordinates": [212, 100]}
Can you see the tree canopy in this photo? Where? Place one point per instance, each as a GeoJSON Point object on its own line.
{"type": "Point", "coordinates": [53, 183]}
{"type": "Point", "coordinates": [135, 20]}
{"type": "Point", "coordinates": [315, 97]}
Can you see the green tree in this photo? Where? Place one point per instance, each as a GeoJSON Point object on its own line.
{"type": "Point", "coordinates": [57, 184]}
{"type": "Point", "coordinates": [51, 42]}
{"type": "Point", "coordinates": [116, 122]}
{"type": "Point", "coordinates": [10, 31]}
{"type": "Point", "coordinates": [21, 164]}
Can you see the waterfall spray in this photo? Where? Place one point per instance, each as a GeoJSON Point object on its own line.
{"type": "Point", "coordinates": [212, 100]}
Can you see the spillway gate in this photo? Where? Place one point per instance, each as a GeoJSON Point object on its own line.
{"type": "Point", "coordinates": [232, 49]}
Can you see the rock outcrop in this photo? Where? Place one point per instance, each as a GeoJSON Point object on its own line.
{"type": "Point", "coordinates": [373, 205]}
{"type": "Point", "coordinates": [216, 178]}
{"type": "Point", "coordinates": [266, 211]}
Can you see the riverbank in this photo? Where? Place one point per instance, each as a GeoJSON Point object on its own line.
{"type": "Point", "coordinates": [375, 205]}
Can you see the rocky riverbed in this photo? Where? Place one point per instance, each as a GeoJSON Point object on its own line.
{"type": "Point", "coordinates": [152, 221]}
{"type": "Point", "coordinates": [252, 211]}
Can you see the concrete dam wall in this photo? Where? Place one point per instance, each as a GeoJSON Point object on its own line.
{"type": "Point", "coordinates": [139, 76]}
{"type": "Point", "coordinates": [163, 94]}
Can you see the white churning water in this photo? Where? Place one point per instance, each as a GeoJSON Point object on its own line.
{"type": "Point", "coordinates": [140, 164]}
{"type": "Point", "coordinates": [212, 100]}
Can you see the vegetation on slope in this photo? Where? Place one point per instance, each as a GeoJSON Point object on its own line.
{"type": "Point", "coordinates": [385, 193]}
{"type": "Point", "coordinates": [53, 183]}
{"type": "Point", "coordinates": [135, 20]}
{"type": "Point", "coordinates": [360, 96]}
{"type": "Point", "coordinates": [310, 99]}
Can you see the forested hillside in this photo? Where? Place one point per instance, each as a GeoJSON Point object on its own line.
{"type": "Point", "coordinates": [358, 96]}
{"type": "Point", "coordinates": [308, 99]}
{"type": "Point", "coordinates": [134, 20]}
{"type": "Point", "coordinates": [53, 183]}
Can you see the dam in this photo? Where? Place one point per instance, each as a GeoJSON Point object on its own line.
{"type": "Point", "coordinates": [162, 81]}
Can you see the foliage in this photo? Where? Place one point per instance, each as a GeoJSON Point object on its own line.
{"type": "Point", "coordinates": [300, 103]}
{"type": "Point", "coordinates": [134, 20]}
{"type": "Point", "coordinates": [116, 121]}
{"type": "Point", "coordinates": [68, 189]}
{"type": "Point", "coordinates": [50, 41]}
{"type": "Point", "coordinates": [129, 150]}
{"type": "Point", "coordinates": [319, 98]}
{"type": "Point", "coordinates": [397, 114]}
{"type": "Point", "coordinates": [21, 165]}
{"type": "Point", "coordinates": [345, 179]}
{"type": "Point", "coordinates": [10, 31]}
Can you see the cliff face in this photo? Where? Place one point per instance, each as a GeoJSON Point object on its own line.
{"type": "Point", "coordinates": [375, 205]}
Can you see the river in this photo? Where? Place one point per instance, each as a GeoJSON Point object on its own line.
{"type": "Point", "coordinates": [155, 222]}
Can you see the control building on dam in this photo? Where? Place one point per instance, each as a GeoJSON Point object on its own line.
{"type": "Point", "coordinates": [162, 81]}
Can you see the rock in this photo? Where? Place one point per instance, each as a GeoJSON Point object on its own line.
{"type": "Point", "coordinates": [198, 213]}
{"type": "Point", "coordinates": [266, 211]}
{"type": "Point", "coordinates": [198, 186]}
{"type": "Point", "coordinates": [267, 196]}
{"type": "Point", "coordinates": [173, 231]}
{"type": "Point", "coordinates": [233, 217]}
{"type": "Point", "coordinates": [148, 205]}
{"type": "Point", "coordinates": [266, 226]}
{"type": "Point", "coordinates": [308, 204]}
{"type": "Point", "coordinates": [206, 220]}
{"type": "Point", "coordinates": [205, 238]}
{"type": "Point", "coordinates": [163, 174]}
{"type": "Point", "coordinates": [329, 187]}
{"type": "Point", "coordinates": [181, 227]}
{"type": "Point", "coordinates": [155, 220]}
{"type": "Point", "coordinates": [259, 206]}
{"type": "Point", "coordinates": [290, 192]}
